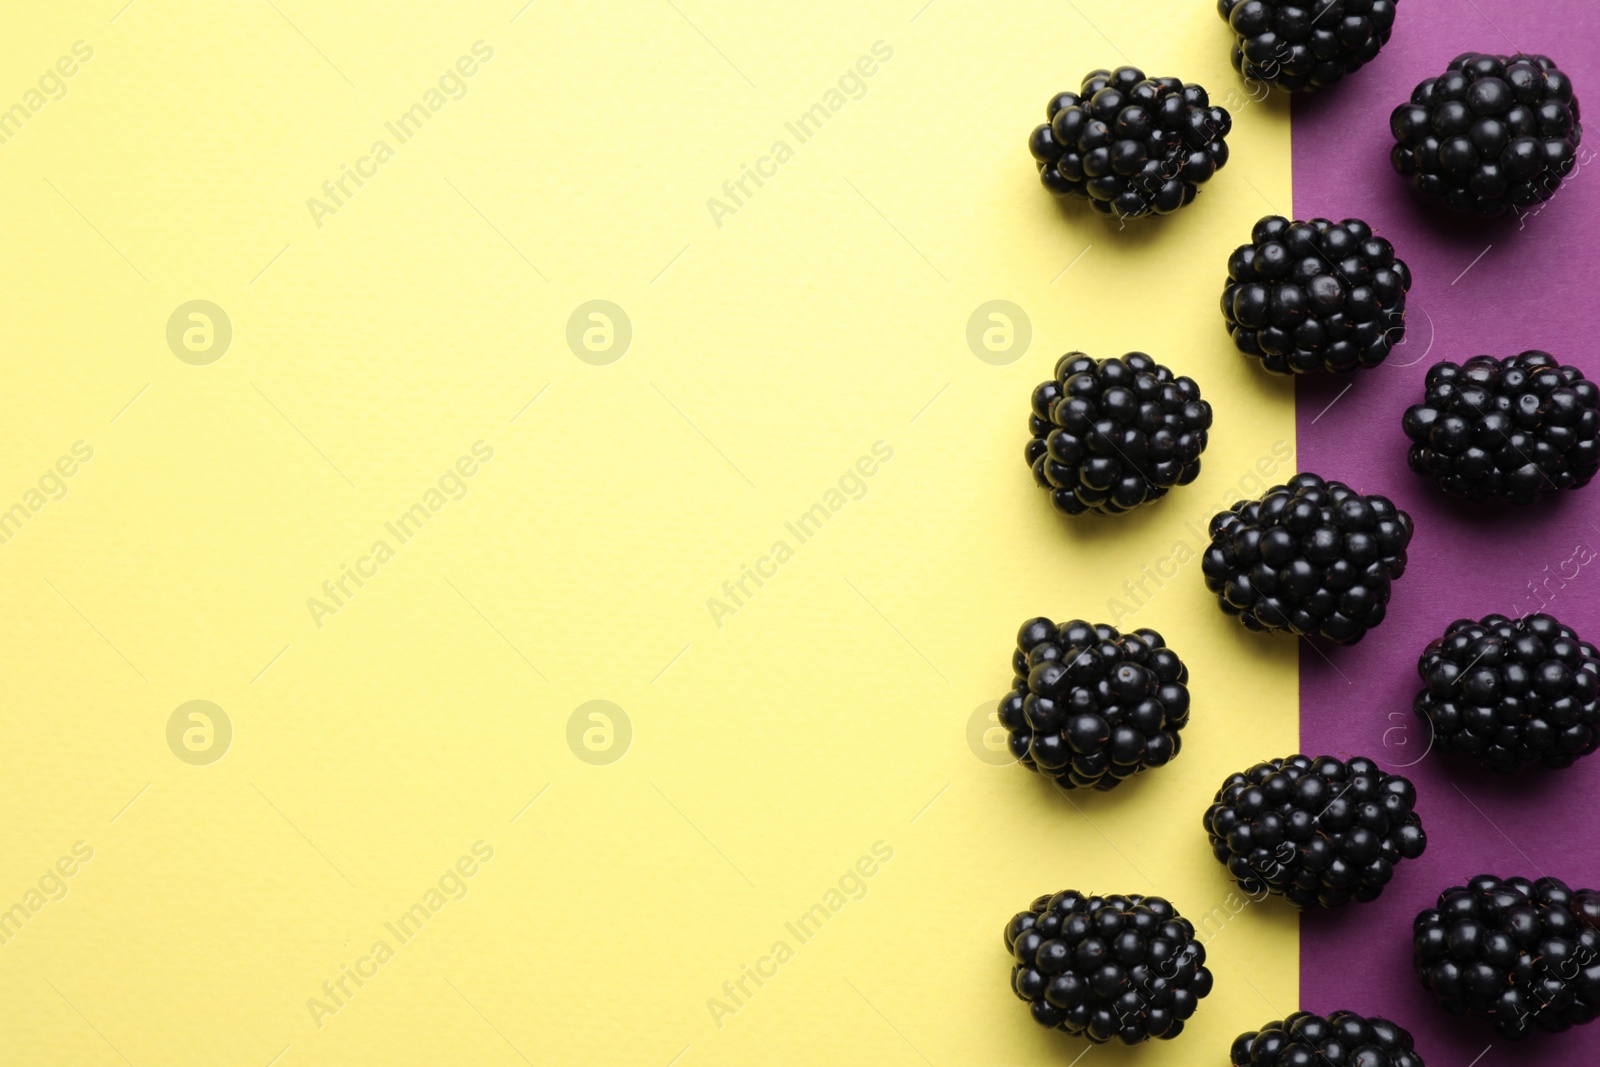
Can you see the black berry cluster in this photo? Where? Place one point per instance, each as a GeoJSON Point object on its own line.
{"type": "Point", "coordinates": [1343, 1039]}
{"type": "Point", "coordinates": [1117, 967]}
{"type": "Point", "coordinates": [1131, 145]}
{"type": "Point", "coordinates": [1319, 832]}
{"type": "Point", "coordinates": [1306, 44]}
{"type": "Point", "coordinates": [1490, 134]}
{"type": "Point", "coordinates": [1315, 296]}
{"type": "Point", "coordinates": [1112, 434]}
{"type": "Point", "coordinates": [1091, 707]}
{"type": "Point", "coordinates": [1512, 692]}
{"type": "Point", "coordinates": [1521, 955]}
{"type": "Point", "coordinates": [1506, 430]}
{"type": "Point", "coordinates": [1312, 557]}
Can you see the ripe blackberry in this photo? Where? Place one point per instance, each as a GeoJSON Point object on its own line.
{"type": "Point", "coordinates": [1124, 967]}
{"type": "Point", "coordinates": [1312, 558]}
{"type": "Point", "coordinates": [1294, 45]}
{"type": "Point", "coordinates": [1515, 953]}
{"type": "Point", "coordinates": [1343, 1039]}
{"type": "Point", "coordinates": [1131, 145]}
{"type": "Point", "coordinates": [1512, 692]}
{"type": "Point", "coordinates": [1317, 295]}
{"type": "Point", "coordinates": [1320, 832]}
{"type": "Point", "coordinates": [1490, 134]}
{"type": "Point", "coordinates": [1091, 707]}
{"type": "Point", "coordinates": [1112, 434]}
{"type": "Point", "coordinates": [1506, 430]}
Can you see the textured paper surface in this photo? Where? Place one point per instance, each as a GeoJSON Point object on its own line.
{"type": "Point", "coordinates": [1495, 288]}
{"type": "Point", "coordinates": [776, 339]}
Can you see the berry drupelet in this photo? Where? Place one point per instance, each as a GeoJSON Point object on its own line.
{"type": "Point", "coordinates": [1112, 434]}
{"type": "Point", "coordinates": [1506, 430]}
{"type": "Point", "coordinates": [1306, 44]}
{"type": "Point", "coordinates": [1518, 954]}
{"type": "Point", "coordinates": [1091, 707]}
{"type": "Point", "coordinates": [1343, 1039]}
{"type": "Point", "coordinates": [1490, 134]}
{"type": "Point", "coordinates": [1119, 967]}
{"type": "Point", "coordinates": [1312, 557]}
{"type": "Point", "coordinates": [1512, 692]}
{"type": "Point", "coordinates": [1315, 296]}
{"type": "Point", "coordinates": [1319, 832]}
{"type": "Point", "coordinates": [1131, 145]}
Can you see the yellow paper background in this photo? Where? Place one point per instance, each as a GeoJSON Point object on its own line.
{"type": "Point", "coordinates": [828, 312]}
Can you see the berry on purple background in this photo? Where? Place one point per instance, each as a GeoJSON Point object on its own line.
{"type": "Point", "coordinates": [1125, 968]}
{"type": "Point", "coordinates": [1312, 558]}
{"type": "Point", "coordinates": [1518, 954]}
{"type": "Point", "coordinates": [1131, 145]}
{"type": "Point", "coordinates": [1512, 692]}
{"type": "Point", "coordinates": [1319, 832]}
{"type": "Point", "coordinates": [1302, 45]}
{"type": "Point", "coordinates": [1490, 134]}
{"type": "Point", "coordinates": [1315, 296]}
{"type": "Point", "coordinates": [1112, 434]}
{"type": "Point", "coordinates": [1506, 431]}
{"type": "Point", "coordinates": [1343, 1039]}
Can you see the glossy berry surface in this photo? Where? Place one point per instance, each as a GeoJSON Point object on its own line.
{"type": "Point", "coordinates": [1124, 968]}
{"type": "Point", "coordinates": [1130, 145]}
{"type": "Point", "coordinates": [1091, 707]}
{"type": "Point", "coordinates": [1508, 430]}
{"type": "Point", "coordinates": [1343, 1039]}
{"type": "Point", "coordinates": [1313, 558]}
{"type": "Point", "coordinates": [1520, 955]}
{"type": "Point", "coordinates": [1302, 45]}
{"type": "Point", "coordinates": [1112, 434]}
{"type": "Point", "coordinates": [1491, 134]}
{"type": "Point", "coordinates": [1315, 296]}
{"type": "Point", "coordinates": [1512, 692]}
{"type": "Point", "coordinates": [1319, 832]}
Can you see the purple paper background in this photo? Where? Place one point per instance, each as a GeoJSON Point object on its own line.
{"type": "Point", "coordinates": [1536, 285]}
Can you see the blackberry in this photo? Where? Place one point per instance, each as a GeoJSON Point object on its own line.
{"type": "Point", "coordinates": [1512, 692]}
{"type": "Point", "coordinates": [1123, 967]}
{"type": "Point", "coordinates": [1131, 145]}
{"type": "Point", "coordinates": [1317, 295]}
{"type": "Point", "coordinates": [1295, 45]}
{"type": "Point", "coordinates": [1515, 953]}
{"type": "Point", "coordinates": [1319, 832]}
{"type": "Point", "coordinates": [1506, 430]}
{"type": "Point", "coordinates": [1490, 134]}
{"type": "Point", "coordinates": [1343, 1039]}
{"type": "Point", "coordinates": [1091, 707]}
{"type": "Point", "coordinates": [1312, 557]}
{"type": "Point", "coordinates": [1112, 434]}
